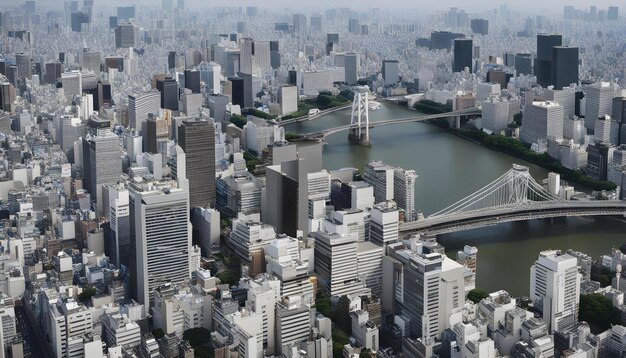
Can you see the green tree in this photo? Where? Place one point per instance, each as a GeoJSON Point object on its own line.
{"type": "Point", "coordinates": [598, 311]}
{"type": "Point", "coordinates": [86, 295]}
{"type": "Point", "coordinates": [238, 120]}
{"type": "Point", "coordinates": [197, 336]}
{"type": "Point", "coordinates": [476, 295]}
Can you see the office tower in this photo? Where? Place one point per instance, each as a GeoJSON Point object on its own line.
{"type": "Point", "coordinates": [381, 177]}
{"type": "Point", "coordinates": [160, 237]}
{"type": "Point", "coordinates": [90, 60]}
{"type": "Point", "coordinates": [12, 75]}
{"type": "Point", "coordinates": [564, 66]}
{"type": "Point", "coordinates": [480, 26]}
{"type": "Point", "coordinates": [442, 40]}
{"type": "Point", "coordinates": [217, 106]}
{"type": "Point", "coordinates": [246, 52]}
{"type": "Point", "coordinates": [384, 223]}
{"type": "Point", "coordinates": [287, 204]}
{"type": "Point", "coordinates": [293, 264]}
{"type": "Point", "coordinates": [462, 55]}
{"type": "Point", "coordinates": [565, 97]}
{"type": "Point", "coordinates": [619, 109]}
{"type": "Point", "coordinates": [617, 165]}
{"type": "Point", "coordinates": [197, 139]}
{"type": "Point", "coordinates": [78, 19]}
{"type": "Point", "coordinates": [353, 26]}
{"type": "Point", "coordinates": [351, 66]}
{"type": "Point", "coordinates": [496, 113]}
{"type": "Point", "coordinates": [23, 62]}
{"type": "Point", "coordinates": [523, 64]}
{"type": "Point", "coordinates": [53, 72]}
{"type": "Point", "coordinates": [104, 95]}
{"type": "Point", "coordinates": [424, 287]}
{"type": "Point", "coordinates": [171, 60]}
{"type": "Point", "coordinates": [157, 133]}
{"type": "Point", "coordinates": [274, 54]}
{"type": "Point", "coordinates": [125, 13]}
{"type": "Point", "coordinates": [606, 131]}
{"type": "Point", "coordinates": [102, 165]}
{"type": "Point", "coordinates": [242, 90]}
{"type": "Point", "coordinates": [126, 35]}
{"type": "Point", "coordinates": [542, 120]}
{"type": "Point", "coordinates": [598, 156]}
{"type": "Point", "coordinates": [72, 83]}
{"type": "Point", "coordinates": [68, 323]}
{"type": "Point", "coordinates": [288, 99]}
{"type": "Point", "coordinates": [335, 263]}
{"type": "Point", "coordinates": [543, 62]}
{"type": "Point", "coordinates": [390, 72]}
{"type": "Point", "coordinates": [316, 23]}
{"type": "Point", "coordinates": [210, 74]}
{"type": "Point", "coordinates": [139, 106]}
{"type": "Point", "coordinates": [599, 102]}
{"type": "Point", "coordinates": [118, 246]}
{"type": "Point", "coordinates": [404, 192]}
{"type": "Point", "coordinates": [192, 80]}
{"type": "Point", "coordinates": [613, 13]}
{"type": "Point", "coordinates": [293, 323]}
{"type": "Point", "coordinates": [299, 23]}
{"type": "Point", "coordinates": [7, 96]}
{"type": "Point", "coordinates": [499, 76]}
{"type": "Point", "coordinates": [248, 240]}
{"type": "Point", "coordinates": [168, 87]}
{"type": "Point", "coordinates": [555, 289]}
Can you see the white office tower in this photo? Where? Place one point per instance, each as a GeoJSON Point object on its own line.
{"type": "Point", "coordinates": [509, 332]}
{"type": "Point", "coordinates": [139, 106]}
{"type": "Point", "coordinates": [160, 236]}
{"type": "Point", "coordinates": [542, 120]}
{"type": "Point", "coordinates": [293, 264]}
{"type": "Point", "coordinates": [246, 48]}
{"type": "Point", "coordinates": [574, 128]}
{"type": "Point", "coordinates": [498, 111]}
{"type": "Point", "coordinates": [469, 342]}
{"type": "Point", "coordinates": [404, 192]}
{"type": "Point", "coordinates": [606, 131]}
{"type": "Point", "coordinates": [425, 288]}
{"type": "Point", "coordinates": [248, 239]}
{"type": "Point", "coordinates": [468, 257]}
{"type": "Point", "coordinates": [369, 257]}
{"type": "Point", "coordinates": [573, 155]}
{"type": "Point", "coordinates": [288, 99]}
{"type": "Point", "coordinates": [335, 263]}
{"type": "Point", "coordinates": [212, 77]}
{"type": "Point", "coordinates": [598, 102]}
{"type": "Point", "coordinates": [293, 323]}
{"type": "Point", "coordinates": [554, 183]}
{"type": "Point", "coordinates": [617, 166]}
{"type": "Point", "coordinates": [261, 61]}
{"type": "Point", "coordinates": [68, 322]}
{"type": "Point", "coordinates": [492, 310]}
{"type": "Point", "coordinates": [207, 222]}
{"type": "Point", "coordinates": [8, 320]}
{"type": "Point", "coordinates": [318, 185]}
{"type": "Point", "coordinates": [565, 97]}
{"type": "Point", "coordinates": [247, 329]}
{"type": "Point", "coordinates": [86, 106]}
{"type": "Point", "coordinates": [119, 330]}
{"type": "Point", "coordinates": [555, 289]}
{"type": "Point", "coordinates": [72, 84]}
{"type": "Point", "coordinates": [384, 223]}
{"type": "Point", "coordinates": [485, 89]}
{"type": "Point", "coordinates": [354, 222]}
{"type": "Point", "coordinates": [536, 339]}
{"type": "Point", "coordinates": [258, 134]}
{"type": "Point", "coordinates": [381, 177]}
{"type": "Point", "coordinates": [119, 247]}
{"type": "Point", "coordinates": [365, 333]}
{"type": "Point", "coordinates": [263, 295]}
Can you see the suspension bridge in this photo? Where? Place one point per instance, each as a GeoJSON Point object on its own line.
{"type": "Point", "coordinates": [515, 196]}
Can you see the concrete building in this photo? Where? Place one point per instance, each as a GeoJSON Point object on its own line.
{"type": "Point", "coordinates": [390, 72]}
{"type": "Point", "coordinates": [381, 177]}
{"type": "Point", "coordinates": [598, 102]}
{"type": "Point", "coordinates": [288, 99]}
{"type": "Point", "coordinates": [140, 106]}
{"type": "Point", "coordinates": [335, 263]}
{"type": "Point", "coordinates": [384, 223]}
{"type": "Point", "coordinates": [197, 138]}
{"type": "Point", "coordinates": [555, 289]}
{"type": "Point", "coordinates": [463, 58]}
{"type": "Point", "coordinates": [351, 65]}
{"type": "Point", "coordinates": [542, 120]}
{"type": "Point", "coordinates": [404, 192]}
{"type": "Point", "coordinates": [120, 331]}
{"type": "Point", "coordinates": [101, 166]}
{"type": "Point", "coordinates": [126, 35]}
{"type": "Point", "coordinates": [72, 84]}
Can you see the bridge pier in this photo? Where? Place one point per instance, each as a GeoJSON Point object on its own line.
{"type": "Point", "coordinates": [360, 117]}
{"type": "Point", "coordinates": [356, 138]}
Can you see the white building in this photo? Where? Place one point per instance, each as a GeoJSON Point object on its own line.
{"type": "Point", "coordinates": [384, 223]}
{"type": "Point", "coordinates": [555, 289]}
{"type": "Point", "coordinates": [119, 330]}
{"type": "Point", "coordinates": [404, 192]}
{"type": "Point", "coordinates": [599, 102]}
{"type": "Point", "coordinates": [542, 120]}
{"type": "Point", "coordinates": [381, 177]}
{"type": "Point", "coordinates": [335, 263]}
{"type": "Point", "coordinates": [288, 99]}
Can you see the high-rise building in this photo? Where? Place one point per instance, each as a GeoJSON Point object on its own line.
{"type": "Point", "coordinates": [599, 102]}
{"type": "Point", "coordinates": [564, 66]}
{"type": "Point", "coordinates": [404, 192]}
{"type": "Point", "coordinates": [118, 245]}
{"type": "Point", "coordinates": [542, 120]}
{"type": "Point", "coordinates": [381, 177]}
{"type": "Point", "coordinates": [91, 60]}
{"type": "Point", "coordinates": [351, 67]}
{"type": "Point", "coordinates": [335, 263]}
{"type": "Point", "coordinates": [101, 165]}
{"type": "Point", "coordinates": [442, 40]}
{"type": "Point", "coordinates": [613, 13]}
{"type": "Point", "coordinates": [274, 54]}
{"type": "Point", "coordinates": [523, 64]}
{"type": "Point", "coordinates": [543, 62]}
{"type": "Point", "coordinates": [390, 72]}
{"type": "Point", "coordinates": [126, 35]}
{"type": "Point", "coordinates": [565, 97]}
{"type": "Point", "coordinates": [463, 55]}
{"type": "Point", "coordinates": [125, 13]}
{"type": "Point", "coordinates": [598, 156]}
{"type": "Point", "coordinates": [78, 19]}
{"type": "Point", "coordinates": [160, 237]}
{"type": "Point", "coordinates": [242, 90]}
{"type": "Point", "coordinates": [23, 62]}
{"type": "Point", "coordinates": [157, 134]}
{"type": "Point", "coordinates": [192, 80]}
{"type": "Point", "coordinates": [353, 26]}
{"type": "Point", "coordinates": [72, 83]}
{"type": "Point", "coordinates": [288, 99]}
{"type": "Point", "coordinates": [168, 87]}
{"type": "Point", "coordinates": [555, 289]}
{"type": "Point", "coordinates": [197, 139]}
{"type": "Point", "coordinates": [384, 223]}
{"type": "Point", "coordinates": [7, 96]}
{"type": "Point", "coordinates": [139, 106]}
{"type": "Point", "coordinates": [246, 53]}
{"type": "Point", "coordinates": [53, 72]}
{"type": "Point", "coordinates": [299, 23]}
{"type": "Point", "coordinates": [480, 26]}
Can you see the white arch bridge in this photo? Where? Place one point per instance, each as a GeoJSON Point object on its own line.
{"type": "Point", "coordinates": [515, 196]}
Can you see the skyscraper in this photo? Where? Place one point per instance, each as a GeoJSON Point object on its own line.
{"type": "Point", "coordinates": [101, 165]}
{"type": "Point", "coordinates": [480, 26]}
{"type": "Point", "coordinates": [72, 83]}
{"type": "Point", "coordinates": [404, 192]}
{"type": "Point", "coordinates": [160, 237]}
{"type": "Point", "coordinates": [390, 72]}
{"type": "Point", "coordinates": [543, 62]}
{"type": "Point", "coordinates": [140, 105]}
{"type": "Point", "coordinates": [157, 132]}
{"type": "Point", "coordinates": [555, 289]}
{"type": "Point", "coordinates": [53, 72]}
{"type": "Point", "coordinates": [245, 55]}
{"type": "Point", "coordinates": [599, 102]}
{"type": "Point", "coordinates": [463, 55]}
{"type": "Point", "coordinates": [564, 66]}
{"type": "Point", "coordinates": [523, 64]}
{"type": "Point", "coordinates": [351, 66]}
{"type": "Point", "coordinates": [90, 60]}
{"type": "Point", "coordinates": [78, 18]}
{"type": "Point", "coordinates": [274, 54]}
{"type": "Point", "coordinates": [381, 177]}
{"type": "Point", "coordinates": [192, 80]}
{"type": "Point", "coordinates": [126, 35]}
{"type": "Point", "coordinates": [118, 248]}
{"type": "Point", "coordinates": [542, 120]}
{"type": "Point", "coordinates": [299, 23]}
{"type": "Point", "coordinates": [197, 139]}
{"type": "Point", "coordinates": [23, 61]}
{"type": "Point", "coordinates": [168, 87]}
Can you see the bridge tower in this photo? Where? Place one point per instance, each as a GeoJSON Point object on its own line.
{"type": "Point", "coordinates": [360, 117]}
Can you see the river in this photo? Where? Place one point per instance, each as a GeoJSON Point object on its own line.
{"type": "Point", "coordinates": [450, 168]}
